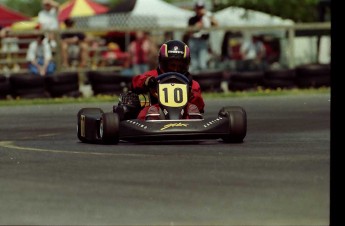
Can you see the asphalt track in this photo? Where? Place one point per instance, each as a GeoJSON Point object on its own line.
{"type": "Point", "coordinates": [280, 175]}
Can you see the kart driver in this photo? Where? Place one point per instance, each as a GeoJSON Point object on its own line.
{"type": "Point", "coordinates": [174, 56]}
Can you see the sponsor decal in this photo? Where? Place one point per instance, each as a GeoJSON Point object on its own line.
{"type": "Point", "coordinates": [217, 120]}
{"type": "Point", "coordinates": [171, 125]}
{"type": "Point", "coordinates": [137, 124]}
{"type": "Point", "coordinates": [176, 50]}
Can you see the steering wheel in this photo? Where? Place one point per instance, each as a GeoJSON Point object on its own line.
{"type": "Point", "coordinates": [177, 75]}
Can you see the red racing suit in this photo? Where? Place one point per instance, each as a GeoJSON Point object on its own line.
{"type": "Point", "coordinates": [138, 86]}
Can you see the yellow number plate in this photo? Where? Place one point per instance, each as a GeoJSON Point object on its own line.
{"type": "Point", "coordinates": [173, 95]}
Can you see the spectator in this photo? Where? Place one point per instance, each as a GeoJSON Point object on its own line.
{"type": "Point", "coordinates": [9, 48]}
{"type": "Point", "coordinates": [139, 50]}
{"type": "Point", "coordinates": [73, 44]}
{"type": "Point", "coordinates": [114, 56]}
{"type": "Point", "coordinates": [48, 16]}
{"type": "Point", "coordinates": [199, 40]}
{"type": "Point", "coordinates": [39, 56]}
{"type": "Point", "coordinates": [231, 50]}
{"type": "Point", "coordinates": [152, 53]}
{"type": "Point", "coordinates": [253, 55]}
{"type": "Point", "coordinates": [50, 40]}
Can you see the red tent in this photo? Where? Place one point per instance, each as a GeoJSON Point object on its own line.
{"type": "Point", "coordinates": [74, 8]}
{"type": "Point", "coordinates": [9, 16]}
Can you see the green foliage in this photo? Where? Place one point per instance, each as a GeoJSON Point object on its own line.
{"type": "Point", "coordinates": [29, 8]}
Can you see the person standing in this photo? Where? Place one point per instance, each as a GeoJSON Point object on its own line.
{"type": "Point", "coordinates": [39, 57]}
{"type": "Point", "coordinates": [199, 41]}
{"type": "Point", "coordinates": [48, 16]}
{"type": "Point", "coordinates": [253, 54]}
{"type": "Point", "coordinates": [139, 50]}
{"type": "Point", "coordinates": [74, 45]}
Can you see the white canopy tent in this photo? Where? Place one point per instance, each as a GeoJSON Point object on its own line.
{"type": "Point", "coordinates": [236, 16]}
{"type": "Point", "coordinates": [145, 14]}
{"type": "Point", "coordinates": [166, 15]}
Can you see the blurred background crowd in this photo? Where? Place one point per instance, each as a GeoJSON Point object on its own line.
{"type": "Point", "coordinates": [56, 48]}
{"type": "Point", "coordinates": [87, 34]}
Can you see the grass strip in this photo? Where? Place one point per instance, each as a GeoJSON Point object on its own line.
{"type": "Point", "coordinates": [207, 95]}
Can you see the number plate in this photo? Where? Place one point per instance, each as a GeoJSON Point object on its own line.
{"type": "Point", "coordinates": [173, 95]}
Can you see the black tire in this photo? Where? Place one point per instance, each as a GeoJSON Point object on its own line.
{"type": "Point", "coordinates": [62, 78]}
{"type": "Point", "coordinates": [237, 123]}
{"type": "Point", "coordinates": [42, 95]}
{"type": "Point", "coordinates": [3, 78]}
{"type": "Point", "coordinates": [282, 74]}
{"type": "Point", "coordinates": [87, 125]}
{"type": "Point", "coordinates": [109, 128]}
{"type": "Point", "coordinates": [313, 75]}
{"type": "Point", "coordinates": [275, 83]}
{"type": "Point", "coordinates": [26, 80]}
{"type": "Point", "coordinates": [60, 90]}
{"type": "Point", "coordinates": [5, 88]}
{"type": "Point", "coordinates": [313, 82]}
{"type": "Point", "coordinates": [111, 89]}
{"type": "Point", "coordinates": [28, 86]}
{"type": "Point", "coordinates": [241, 86]}
{"type": "Point", "coordinates": [252, 77]}
{"type": "Point", "coordinates": [96, 77]}
{"type": "Point", "coordinates": [209, 80]}
{"type": "Point", "coordinates": [30, 93]}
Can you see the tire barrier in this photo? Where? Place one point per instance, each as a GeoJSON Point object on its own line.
{"type": "Point", "coordinates": [279, 78]}
{"type": "Point", "coordinates": [210, 81]}
{"type": "Point", "coordinates": [28, 86]}
{"type": "Point", "coordinates": [246, 80]}
{"type": "Point", "coordinates": [64, 84]}
{"type": "Point", "coordinates": [108, 83]}
{"type": "Point", "coordinates": [313, 75]}
{"type": "Point", "coordinates": [5, 87]}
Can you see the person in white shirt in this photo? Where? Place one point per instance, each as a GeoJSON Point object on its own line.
{"type": "Point", "coordinates": [48, 16]}
{"type": "Point", "coordinates": [39, 57]}
{"type": "Point", "coordinates": [253, 55]}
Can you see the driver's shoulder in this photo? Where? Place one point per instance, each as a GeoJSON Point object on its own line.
{"type": "Point", "coordinates": [153, 72]}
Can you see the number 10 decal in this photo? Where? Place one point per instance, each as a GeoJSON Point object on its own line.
{"type": "Point", "coordinates": [173, 95]}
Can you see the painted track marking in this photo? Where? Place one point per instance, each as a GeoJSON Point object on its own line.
{"type": "Point", "coordinates": [11, 145]}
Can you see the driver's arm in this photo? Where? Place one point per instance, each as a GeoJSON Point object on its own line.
{"type": "Point", "coordinates": [138, 81]}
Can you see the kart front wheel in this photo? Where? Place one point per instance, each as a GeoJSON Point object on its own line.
{"type": "Point", "coordinates": [109, 128]}
{"type": "Point", "coordinates": [237, 124]}
{"type": "Point", "coordinates": [87, 126]}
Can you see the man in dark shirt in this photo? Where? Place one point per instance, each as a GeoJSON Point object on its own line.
{"type": "Point", "coordinates": [198, 41]}
{"type": "Point", "coordinates": [73, 41]}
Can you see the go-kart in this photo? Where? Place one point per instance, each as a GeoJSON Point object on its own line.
{"type": "Point", "coordinates": [173, 89]}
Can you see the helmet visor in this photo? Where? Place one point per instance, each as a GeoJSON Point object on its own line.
{"type": "Point", "coordinates": [174, 65]}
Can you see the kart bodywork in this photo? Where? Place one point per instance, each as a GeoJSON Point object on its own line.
{"type": "Point", "coordinates": [96, 126]}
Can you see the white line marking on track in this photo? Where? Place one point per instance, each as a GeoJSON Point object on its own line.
{"type": "Point", "coordinates": [11, 145]}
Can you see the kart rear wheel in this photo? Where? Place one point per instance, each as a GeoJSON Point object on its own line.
{"type": "Point", "coordinates": [109, 128]}
{"type": "Point", "coordinates": [87, 128]}
{"type": "Point", "coordinates": [237, 124]}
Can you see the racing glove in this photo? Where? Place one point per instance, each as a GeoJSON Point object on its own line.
{"type": "Point", "coordinates": [151, 82]}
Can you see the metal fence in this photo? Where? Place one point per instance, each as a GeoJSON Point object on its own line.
{"type": "Point", "coordinates": [286, 33]}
